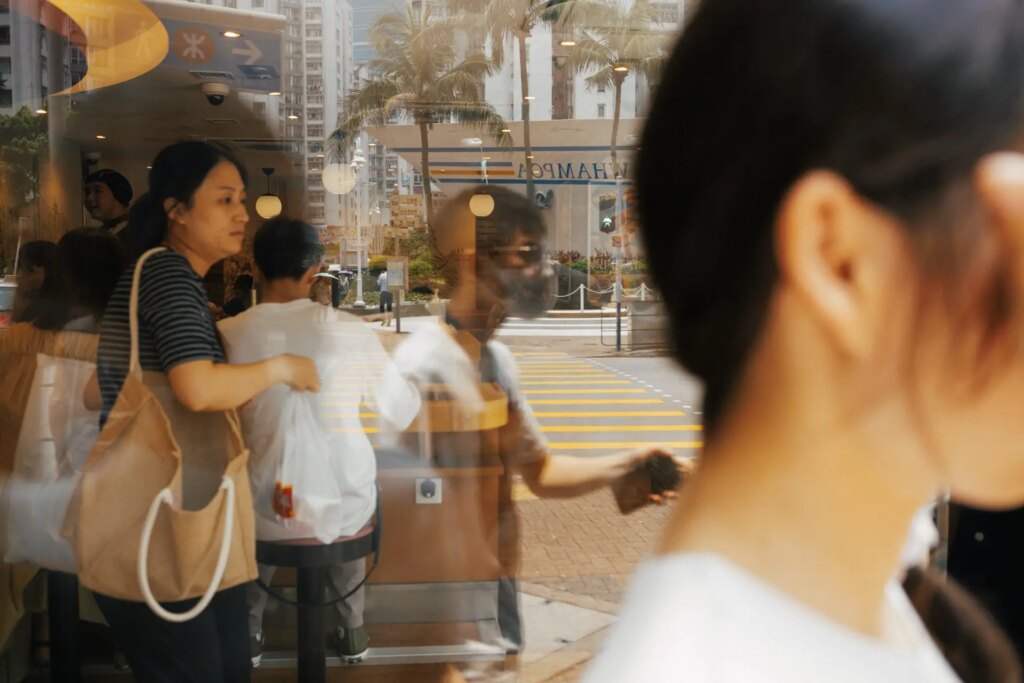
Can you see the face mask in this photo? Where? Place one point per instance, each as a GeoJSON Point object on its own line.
{"type": "Point", "coordinates": [528, 291]}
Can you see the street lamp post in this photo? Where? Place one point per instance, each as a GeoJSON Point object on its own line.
{"type": "Point", "coordinates": [358, 163]}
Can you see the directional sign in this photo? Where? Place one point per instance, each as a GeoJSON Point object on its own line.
{"type": "Point", "coordinates": [250, 62]}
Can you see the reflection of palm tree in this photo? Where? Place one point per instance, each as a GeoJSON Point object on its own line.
{"type": "Point", "coordinates": [418, 74]}
{"type": "Point", "coordinates": [504, 19]}
{"type": "Point", "coordinates": [615, 42]}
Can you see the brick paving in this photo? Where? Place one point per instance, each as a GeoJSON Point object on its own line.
{"type": "Point", "coordinates": [584, 546]}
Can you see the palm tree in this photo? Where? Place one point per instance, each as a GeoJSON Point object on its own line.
{"type": "Point", "coordinates": [418, 74]}
{"type": "Point", "coordinates": [502, 20]}
{"type": "Point", "coordinates": [615, 43]}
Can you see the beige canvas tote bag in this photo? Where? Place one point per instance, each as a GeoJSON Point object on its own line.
{"type": "Point", "coordinates": [149, 529]}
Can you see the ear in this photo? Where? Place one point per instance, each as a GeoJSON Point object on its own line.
{"type": "Point", "coordinates": [999, 179]}
{"type": "Point", "coordinates": [174, 210]}
{"type": "Point", "coordinates": [839, 254]}
{"type": "Point", "coordinates": [310, 275]}
{"type": "Point", "coordinates": [257, 274]}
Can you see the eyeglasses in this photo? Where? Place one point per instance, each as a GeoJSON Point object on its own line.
{"type": "Point", "coordinates": [530, 253]}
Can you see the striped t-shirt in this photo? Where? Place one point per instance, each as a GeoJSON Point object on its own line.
{"type": "Point", "coordinates": [175, 325]}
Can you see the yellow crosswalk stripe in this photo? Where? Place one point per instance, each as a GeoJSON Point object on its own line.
{"type": "Point", "coordinates": [336, 416]}
{"type": "Point", "coordinates": [619, 428]}
{"type": "Point", "coordinates": [346, 404]}
{"type": "Point", "coordinates": [548, 354]}
{"type": "Point", "coordinates": [620, 445]}
{"type": "Point", "coordinates": [588, 381]}
{"type": "Point", "coordinates": [612, 413]}
{"type": "Point", "coordinates": [537, 392]}
{"type": "Point", "coordinates": [364, 430]}
{"type": "Point", "coordinates": [596, 401]}
{"type": "Point", "coordinates": [580, 375]}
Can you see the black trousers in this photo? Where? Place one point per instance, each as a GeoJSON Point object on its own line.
{"type": "Point", "coordinates": [386, 299]}
{"type": "Point", "coordinates": [212, 648]}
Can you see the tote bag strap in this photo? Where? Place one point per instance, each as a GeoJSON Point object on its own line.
{"type": "Point", "coordinates": [133, 311]}
{"type": "Point", "coordinates": [165, 496]}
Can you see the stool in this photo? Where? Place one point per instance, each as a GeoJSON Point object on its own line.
{"type": "Point", "coordinates": [311, 559]}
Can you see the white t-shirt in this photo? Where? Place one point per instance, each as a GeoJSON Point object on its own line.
{"type": "Point", "coordinates": [698, 617]}
{"type": "Point", "coordinates": [351, 363]}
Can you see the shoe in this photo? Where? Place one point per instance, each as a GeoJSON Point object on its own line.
{"type": "Point", "coordinates": [352, 644]}
{"type": "Point", "coordinates": [256, 648]}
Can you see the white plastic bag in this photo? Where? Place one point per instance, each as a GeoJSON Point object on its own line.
{"type": "Point", "coordinates": [295, 486]}
{"type": "Point", "coordinates": [56, 435]}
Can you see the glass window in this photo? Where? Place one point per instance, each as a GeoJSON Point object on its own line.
{"type": "Point", "coordinates": [5, 65]}
{"type": "Point", "coordinates": [6, 98]}
{"type": "Point", "coordinates": [5, 35]}
{"type": "Point", "coordinates": [600, 111]}
{"type": "Point", "coordinates": [257, 4]}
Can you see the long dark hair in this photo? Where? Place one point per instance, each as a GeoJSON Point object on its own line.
{"type": "Point", "coordinates": [177, 173]}
{"type": "Point", "coordinates": [902, 98]}
{"type": "Point", "coordinates": [86, 266]}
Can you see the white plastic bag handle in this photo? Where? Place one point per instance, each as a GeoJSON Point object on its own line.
{"type": "Point", "coordinates": [166, 496]}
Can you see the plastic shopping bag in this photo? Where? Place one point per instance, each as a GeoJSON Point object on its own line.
{"type": "Point", "coordinates": [295, 486]}
{"type": "Point", "coordinates": [57, 433]}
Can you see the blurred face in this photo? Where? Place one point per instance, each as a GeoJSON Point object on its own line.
{"type": "Point", "coordinates": [213, 227]}
{"type": "Point", "coordinates": [100, 202]}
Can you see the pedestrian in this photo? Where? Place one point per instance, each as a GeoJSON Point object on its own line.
{"type": "Point", "coordinates": [107, 198]}
{"type": "Point", "coordinates": [829, 192]}
{"type": "Point", "coordinates": [385, 298]}
{"type": "Point", "coordinates": [501, 272]}
{"type": "Point", "coordinates": [287, 252]}
{"type": "Point", "coordinates": [195, 209]}
{"type": "Point", "coordinates": [87, 264]}
{"type": "Point", "coordinates": [34, 260]}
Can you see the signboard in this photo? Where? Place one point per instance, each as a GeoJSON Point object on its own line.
{"type": "Point", "coordinates": [398, 272]}
{"type": "Point", "coordinates": [251, 61]}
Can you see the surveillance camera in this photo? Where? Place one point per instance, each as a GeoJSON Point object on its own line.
{"type": "Point", "coordinates": [216, 93]}
{"type": "Point", "coordinates": [92, 158]}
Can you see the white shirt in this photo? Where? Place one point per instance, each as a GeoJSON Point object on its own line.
{"type": "Point", "coordinates": [698, 617]}
{"type": "Point", "coordinates": [351, 363]}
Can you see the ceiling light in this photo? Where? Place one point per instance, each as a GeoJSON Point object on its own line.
{"type": "Point", "coordinates": [40, 111]}
{"type": "Point", "coordinates": [621, 69]}
{"type": "Point", "coordinates": [274, 94]}
{"type": "Point", "coordinates": [292, 117]}
{"type": "Point", "coordinates": [506, 130]}
{"type": "Point", "coordinates": [529, 97]}
{"type": "Point", "coordinates": [231, 34]}
{"type": "Point", "coordinates": [149, 168]}
{"type": "Point", "coordinates": [487, 158]}
{"type": "Point", "coordinates": [568, 43]}
{"type": "Point", "coordinates": [101, 137]}
{"type": "Point", "coordinates": [268, 205]}
{"type": "Point", "coordinates": [481, 205]}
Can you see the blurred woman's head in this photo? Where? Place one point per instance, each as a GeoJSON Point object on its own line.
{"type": "Point", "coordinates": [831, 194]}
{"type": "Point", "coordinates": [86, 266]}
{"type": "Point", "coordinates": [196, 201]}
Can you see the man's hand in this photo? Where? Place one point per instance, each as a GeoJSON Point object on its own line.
{"type": "Point", "coordinates": [666, 469]}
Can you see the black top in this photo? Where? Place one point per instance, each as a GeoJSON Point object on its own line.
{"type": "Point", "coordinates": [175, 325]}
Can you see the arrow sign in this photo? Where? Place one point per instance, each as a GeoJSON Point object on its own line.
{"type": "Point", "coordinates": [253, 52]}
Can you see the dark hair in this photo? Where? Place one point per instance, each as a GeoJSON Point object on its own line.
{"type": "Point", "coordinates": [36, 254]}
{"type": "Point", "coordinates": [118, 184]}
{"type": "Point", "coordinates": [177, 173]}
{"type": "Point", "coordinates": [86, 266]}
{"type": "Point", "coordinates": [513, 214]}
{"type": "Point", "coordinates": [901, 98]}
{"type": "Point", "coordinates": [286, 248]}
{"type": "Point", "coordinates": [243, 282]}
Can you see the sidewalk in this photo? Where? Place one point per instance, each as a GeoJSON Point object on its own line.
{"type": "Point", "coordinates": [578, 553]}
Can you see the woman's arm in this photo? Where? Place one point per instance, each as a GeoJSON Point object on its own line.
{"type": "Point", "coordinates": [203, 385]}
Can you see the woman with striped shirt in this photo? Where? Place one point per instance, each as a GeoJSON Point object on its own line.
{"type": "Point", "coordinates": [196, 209]}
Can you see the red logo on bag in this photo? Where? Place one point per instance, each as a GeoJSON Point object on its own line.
{"type": "Point", "coordinates": [283, 504]}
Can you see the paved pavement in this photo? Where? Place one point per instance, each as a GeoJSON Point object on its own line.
{"type": "Point", "coordinates": [594, 326]}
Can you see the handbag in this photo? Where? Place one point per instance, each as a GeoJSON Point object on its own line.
{"type": "Point", "coordinates": [134, 539]}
